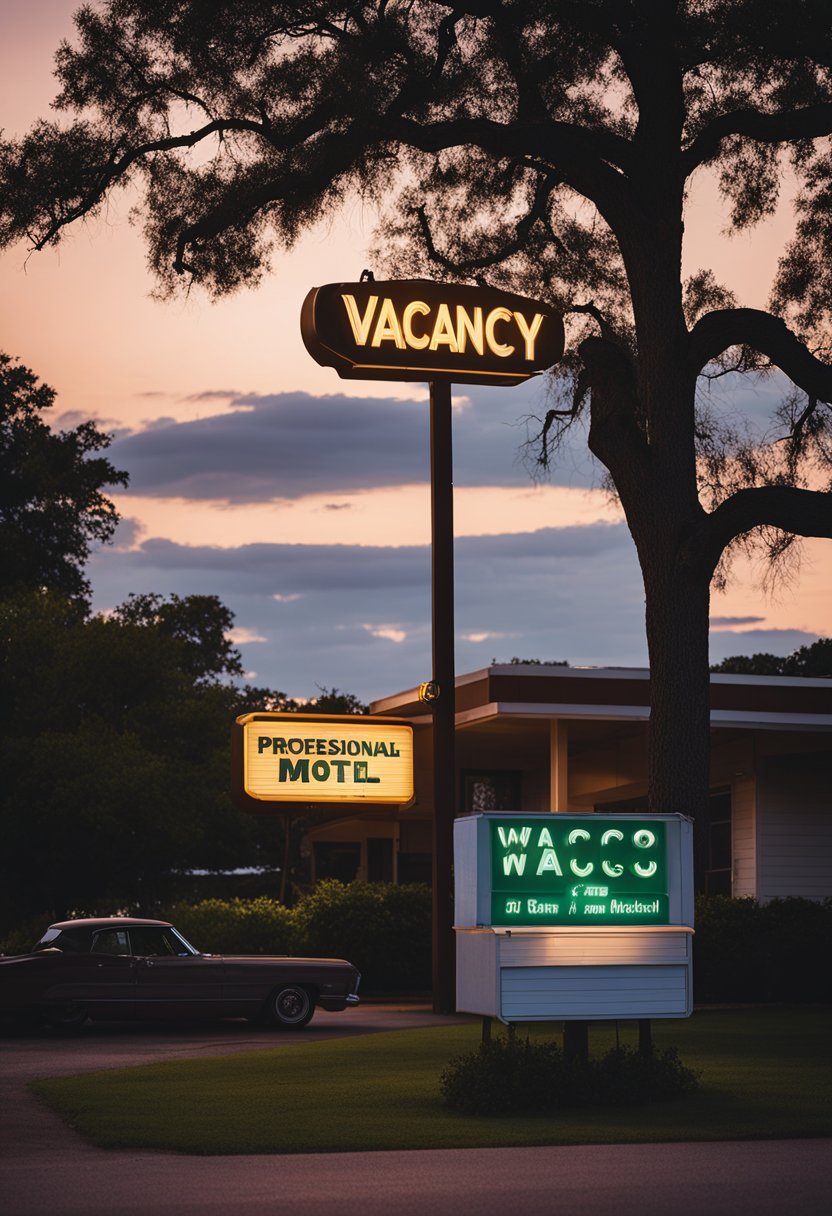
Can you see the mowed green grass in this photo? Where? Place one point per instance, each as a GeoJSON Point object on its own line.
{"type": "Point", "coordinates": [765, 1073]}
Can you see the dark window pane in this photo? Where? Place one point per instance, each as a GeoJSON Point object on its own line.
{"type": "Point", "coordinates": [379, 859]}
{"type": "Point", "coordinates": [110, 941]}
{"type": "Point", "coordinates": [720, 846]}
{"type": "Point", "coordinates": [150, 943]}
{"type": "Point", "coordinates": [337, 859]}
{"type": "Point", "coordinates": [718, 882]}
{"type": "Point", "coordinates": [491, 790]}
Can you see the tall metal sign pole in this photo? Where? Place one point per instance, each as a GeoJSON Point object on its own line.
{"type": "Point", "coordinates": [444, 334]}
{"type": "Point", "coordinates": [444, 716]}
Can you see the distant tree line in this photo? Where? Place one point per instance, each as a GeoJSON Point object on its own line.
{"type": "Point", "coordinates": [814, 660]}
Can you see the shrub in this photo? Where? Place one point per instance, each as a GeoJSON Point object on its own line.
{"type": "Point", "coordinates": [796, 933]}
{"type": "Point", "coordinates": [625, 1077]}
{"type": "Point", "coordinates": [504, 1077]}
{"type": "Point", "coordinates": [21, 939]}
{"type": "Point", "coordinates": [518, 1076]}
{"type": "Point", "coordinates": [236, 926]}
{"type": "Point", "coordinates": [746, 951]}
{"type": "Point", "coordinates": [728, 950]}
{"type": "Point", "coordinates": [384, 929]}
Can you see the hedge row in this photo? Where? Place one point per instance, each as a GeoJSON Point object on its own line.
{"type": "Point", "coordinates": [383, 928]}
{"type": "Point", "coordinates": [747, 951]}
{"type": "Point", "coordinates": [742, 951]}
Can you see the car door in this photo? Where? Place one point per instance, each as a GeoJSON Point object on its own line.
{"type": "Point", "coordinates": [102, 980]}
{"type": "Point", "coordinates": [170, 984]}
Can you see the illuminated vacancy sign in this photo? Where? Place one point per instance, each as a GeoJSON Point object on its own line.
{"type": "Point", "coordinates": [297, 758]}
{"type": "Point", "coordinates": [571, 871]}
{"type": "Point", "coordinates": [419, 330]}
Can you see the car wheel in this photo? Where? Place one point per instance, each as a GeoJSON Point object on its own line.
{"type": "Point", "coordinates": [68, 1017]}
{"type": "Point", "coordinates": [290, 1007]}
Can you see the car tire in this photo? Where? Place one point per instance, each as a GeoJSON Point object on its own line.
{"type": "Point", "coordinates": [290, 1007]}
{"type": "Point", "coordinates": [68, 1017]}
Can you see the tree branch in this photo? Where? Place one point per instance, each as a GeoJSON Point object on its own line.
{"type": "Point", "coordinates": [559, 144]}
{"type": "Point", "coordinates": [763, 332]}
{"type": "Point", "coordinates": [806, 123]}
{"type": "Point", "coordinates": [802, 512]}
{"type": "Point", "coordinates": [537, 212]}
{"type": "Point", "coordinates": [614, 434]}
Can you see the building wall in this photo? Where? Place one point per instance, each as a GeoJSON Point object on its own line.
{"type": "Point", "coordinates": [743, 836]}
{"type": "Point", "coordinates": [794, 825]}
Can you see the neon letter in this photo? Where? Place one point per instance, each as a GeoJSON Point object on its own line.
{"type": "Point", "coordinates": [466, 328]}
{"type": "Point", "coordinates": [513, 860]}
{"type": "Point", "coordinates": [574, 836]}
{"type": "Point", "coordinates": [529, 333]}
{"type": "Point", "coordinates": [513, 836]}
{"type": "Point", "coordinates": [387, 327]}
{"type": "Point", "coordinates": [549, 863]}
{"type": "Point", "coordinates": [417, 341]}
{"type": "Point", "coordinates": [360, 325]}
{"type": "Point", "coordinates": [443, 330]}
{"type": "Point", "coordinates": [497, 348]}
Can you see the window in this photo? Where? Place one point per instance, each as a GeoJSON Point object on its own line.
{"type": "Point", "coordinates": [490, 790]}
{"type": "Point", "coordinates": [148, 942]}
{"type": "Point", "coordinates": [111, 941]}
{"type": "Point", "coordinates": [715, 877]}
{"type": "Point", "coordinates": [337, 859]}
{"type": "Point", "coordinates": [379, 859]}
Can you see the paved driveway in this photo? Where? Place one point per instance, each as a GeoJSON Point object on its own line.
{"type": "Point", "coordinates": [48, 1169]}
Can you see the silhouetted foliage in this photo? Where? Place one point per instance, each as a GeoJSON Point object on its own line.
{"type": "Point", "coordinates": [814, 660]}
{"type": "Point", "coordinates": [544, 145]}
{"type": "Point", "coordinates": [115, 753]}
{"type": "Point", "coordinates": [511, 1075]}
{"type": "Point", "coordinates": [52, 509]}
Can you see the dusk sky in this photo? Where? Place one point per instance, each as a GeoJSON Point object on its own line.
{"type": "Point", "coordinates": [302, 500]}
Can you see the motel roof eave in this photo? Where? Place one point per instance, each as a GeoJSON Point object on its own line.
{"type": "Point", "coordinates": [517, 691]}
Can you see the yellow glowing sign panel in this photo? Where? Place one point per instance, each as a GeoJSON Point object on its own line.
{"type": "Point", "coordinates": [291, 758]}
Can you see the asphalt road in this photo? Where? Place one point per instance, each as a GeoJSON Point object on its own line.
{"type": "Point", "coordinates": [47, 1169]}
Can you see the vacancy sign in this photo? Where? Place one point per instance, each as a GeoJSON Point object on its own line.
{"type": "Point", "coordinates": [415, 329]}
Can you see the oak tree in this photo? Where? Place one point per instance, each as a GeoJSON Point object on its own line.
{"type": "Point", "coordinates": [52, 509]}
{"type": "Point", "coordinates": [543, 145]}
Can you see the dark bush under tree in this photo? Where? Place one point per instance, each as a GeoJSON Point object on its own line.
{"type": "Point", "coordinates": [513, 1075]}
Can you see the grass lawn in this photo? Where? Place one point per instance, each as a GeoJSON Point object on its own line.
{"type": "Point", "coordinates": [764, 1072]}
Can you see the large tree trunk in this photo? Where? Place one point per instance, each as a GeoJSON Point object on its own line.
{"type": "Point", "coordinates": [677, 612]}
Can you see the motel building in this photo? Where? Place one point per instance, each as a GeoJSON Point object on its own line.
{"type": "Point", "coordinates": [542, 738]}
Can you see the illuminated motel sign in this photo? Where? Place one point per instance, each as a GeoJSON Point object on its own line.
{"type": "Point", "coordinates": [415, 329]}
{"type": "Point", "coordinates": [574, 917]}
{"type": "Point", "coordinates": [573, 871]}
{"type": "Point", "coordinates": [322, 758]}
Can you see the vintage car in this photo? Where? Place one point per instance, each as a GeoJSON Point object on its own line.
{"type": "Point", "coordinates": [126, 967]}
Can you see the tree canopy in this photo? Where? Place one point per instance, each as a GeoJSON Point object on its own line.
{"type": "Point", "coordinates": [52, 509]}
{"type": "Point", "coordinates": [115, 753]}
{"type": "Point", "coordinates": [549, 146]}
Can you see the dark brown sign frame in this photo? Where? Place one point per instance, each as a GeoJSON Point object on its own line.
{"type": "Point", "coordinates": [416, 329]}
